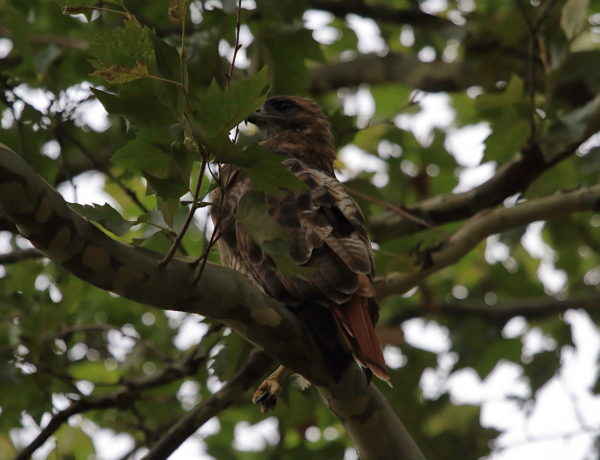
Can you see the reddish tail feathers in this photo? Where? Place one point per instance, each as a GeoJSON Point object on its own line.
{"type": "Point", "coordinates": [358, 331]}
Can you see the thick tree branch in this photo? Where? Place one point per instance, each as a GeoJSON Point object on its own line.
{"type": "Point", "coordinates": [383, 13]}
{"type": "Point", "coordinates": [500, 312]}
{"type": "Point", "coordinates": [488, 223]}
{"type": "Point", "coordinates": [43, 217]}
{"type": "Point", "coordinates": [395, 68]}
{"type": "Point", "coordinates": [511, 178]}
{"type": "Point", "coordinates": [19, 254]}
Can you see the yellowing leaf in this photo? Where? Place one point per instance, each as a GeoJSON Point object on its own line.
{"type": "Point", "coordinates": [117, 74]}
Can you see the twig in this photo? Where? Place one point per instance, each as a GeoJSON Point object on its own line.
{"type": "Point", "coordinates": [398, 210]}
{"type": "Point", "coordinates": [237, 45]}
{"type": "Point", "coordinates": [532, 54]}
{"type": "Point", "coordinates": [214, 237]}
{"type": "Point", "coordinates": [488, 223]}
{"type": "Point", "coordinates": [190, 216]}
{"type": "Point", "coordinates": [19, 254]}
{"type": "Point", "coordinates": [123, 398]}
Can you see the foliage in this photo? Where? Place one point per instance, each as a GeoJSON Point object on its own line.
{"type": "Point", "coordinates": [528, 71]}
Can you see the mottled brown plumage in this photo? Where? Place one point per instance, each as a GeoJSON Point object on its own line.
{"type": "Point", "coordinates": [335, 298]}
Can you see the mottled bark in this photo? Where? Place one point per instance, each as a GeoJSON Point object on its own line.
{"type": "Point", "coordinates": [42, 216]}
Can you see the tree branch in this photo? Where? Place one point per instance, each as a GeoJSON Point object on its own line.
{"type": "Point", "coordinates": [19, 254]}
{"type": "Point", "coordinates": [500, 312]}
{"type": "Point", "coordinates": [62, 235]}
{"type": "Point", "coordinates": [123, 398]}
{"type": "Point", "coordinates": [395, 68]}
{"type": "Point", "coordinates": [488, 223]}
{"type": "Point", "coordinates": [511, 178]}
{"type": "Point", "coordinates": [383, 13]}
{"type": "Point", "coordinates": [252, 370]}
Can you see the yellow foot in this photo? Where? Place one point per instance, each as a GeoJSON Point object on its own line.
{"type": "Point", "coordinates": [266, 394]}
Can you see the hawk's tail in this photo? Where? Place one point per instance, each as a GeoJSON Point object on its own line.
{"type": "Point", "coordinates": [358, 331]}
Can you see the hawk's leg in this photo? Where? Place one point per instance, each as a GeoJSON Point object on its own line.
{"type": "Point", "coordinates": [266, 394]}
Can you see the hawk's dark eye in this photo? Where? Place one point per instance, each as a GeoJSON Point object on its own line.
{"type": "Point", "coordinates": [282, 105]}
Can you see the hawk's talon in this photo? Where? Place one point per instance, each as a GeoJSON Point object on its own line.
{"type": "Point", "coordinates": [266, 395]}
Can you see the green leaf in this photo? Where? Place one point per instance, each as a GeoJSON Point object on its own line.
{"type": "Point", "coordinates": [268, 173]}
{"type": "Point", "coordinates": [542, 368]}
{"type": "Point", "coordinates": [219, 111]}
{"type": "Point", "coordinates": [105, 215]}
{"type": "Point", "coordinates": [569, 129]}
{"type": "Point", "coordinates": [573, 17]}
{"type": "Point", "coordinates": [508, 114]}
{"type": "Point", "coordinates": [122, 54]}
{"type": "Point", "coordinates": [253, 213]}
{"type": "Point", "coordinates": [94, 371]}
{"type": "Point", "coordinates": [168, 66]}
{"type": "Point", "coordinates": [148, 152]}
{"type": "Point", "coordinates": [266, 169]}
{"type": "Point", "coordinates": [231, 357]}
{"type": "Point", "coordinates": [72, 442]}
{"type": "Point", "coordinates": [138, 104]}
{"type": "Point", "coordinates": [506, 139]}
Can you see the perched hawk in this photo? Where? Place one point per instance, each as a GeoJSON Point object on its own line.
{"type": "Point", "coordinates": [334, 298]}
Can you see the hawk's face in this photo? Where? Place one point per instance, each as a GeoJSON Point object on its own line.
{"type": "Point", "coordinates": [298, 126]}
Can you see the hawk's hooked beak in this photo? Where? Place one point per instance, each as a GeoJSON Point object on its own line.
{"type": "Point", "coordinates": [258, 118]}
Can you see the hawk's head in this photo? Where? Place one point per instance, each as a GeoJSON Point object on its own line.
{"type": "Point", "coordinates": [296, 126]}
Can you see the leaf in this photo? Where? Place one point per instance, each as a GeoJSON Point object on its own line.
{"type": "Point", "coordinates": [573, 17]}
{"type": "Point", "coordinates": [508, 114]}
{"type": "Point", "coordinates": [122, 54]}
{"type": "Point", "coordinates": [264, 167]}
{"type": "Point", "coordinates": [117, 74]}
{"type": "Point", "coordinates": [253, 213]}
{"type": "Point", "coordinates": [219, 111]}
{"type": "Point", "coordinates": [506, 139]}
{"type": "Point", "coordinates": [105, 215]}
{"type": "Point", "coordinates": [269, 174]}
{"type": "Point", "coordinates": [230, 358]}
{"type": "Point", "coordinates": [72, 442]}
{"type": "Point", "coordinates": [168, 66]}
{"type": "Point", "coordinates": [148, 152]}
{"type": "Point", "coordinates": [542, 368]}
{"type": "Point", "coordinates": [94, 371]}
{"type": "Point", "coordinates": [568, 130]}
{"type": "Point", "coordinates": [138, 104]}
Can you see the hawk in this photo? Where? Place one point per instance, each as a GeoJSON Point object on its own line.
{"type": "Point", "coordinates": [334, 297]}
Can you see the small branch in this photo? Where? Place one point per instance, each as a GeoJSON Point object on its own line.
{"type": "Point", "coordinates": [123, 398]}
{"type": "Point", "coordinates": [501, 312]}
{"type": "Point", "coordinates": [382, 13]}
{"type": "Point", "coordinates": [190, 216]}
{"type": "Point", "coordinates": [252, 370]}
{"type": "Point", "coordinates": [398, 210]}
{"type": "Point", "coordinates": [19, 254]}
{"type": "Point", "coordinates": [64, 42]}
{"type": "Point", "coordinates": [488, 223]}
{"type": "Point", "coordinates": [237, 45]}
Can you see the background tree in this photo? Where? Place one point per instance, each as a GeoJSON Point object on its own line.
{"type": "Point", "coordinates": [176, 80]}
